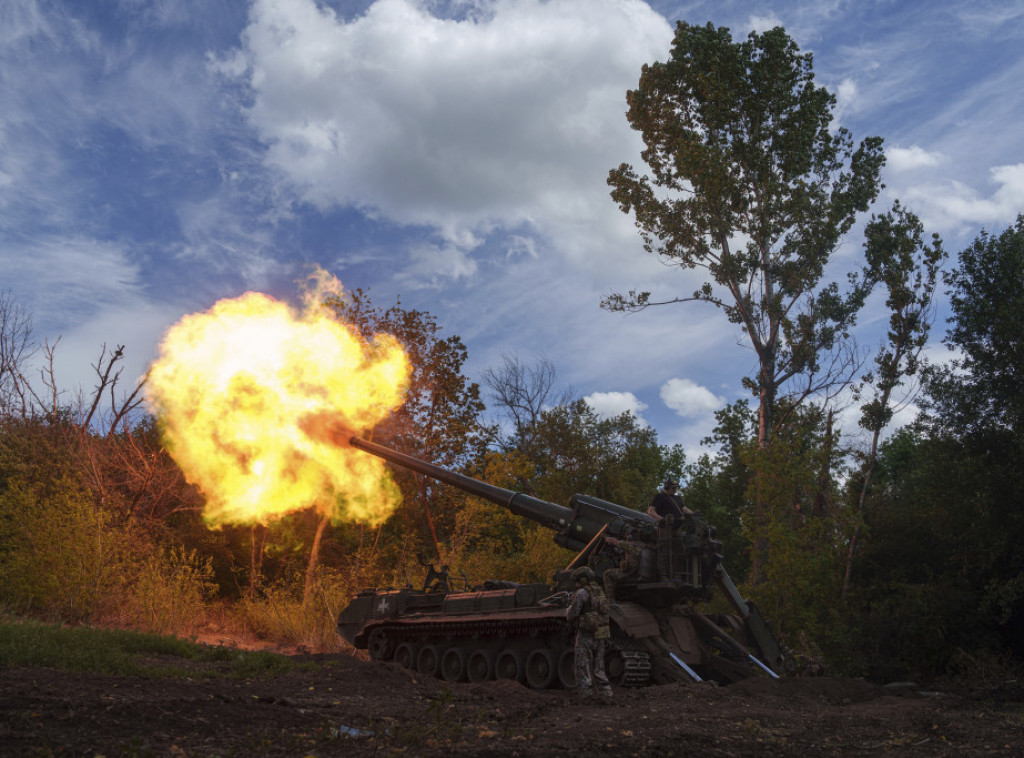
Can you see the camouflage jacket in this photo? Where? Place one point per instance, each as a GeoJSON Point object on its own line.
{"type": "Point", "coordinates": [589, 610]}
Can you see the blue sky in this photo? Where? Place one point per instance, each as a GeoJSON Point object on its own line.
{"type": "Point", "coordinates": [156, 156]}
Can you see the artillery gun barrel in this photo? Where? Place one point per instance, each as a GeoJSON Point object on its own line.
{"type": "Point", "coordinates": [547, 514]}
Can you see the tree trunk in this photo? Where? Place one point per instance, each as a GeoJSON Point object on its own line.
{"type": "Point", "coordinates": [421, 480]}
{"type": "Point", "coordinates": [257, 534]}
{"type": "Point", "coordinates": [759, 553]}
{"type": "Point", "coordinates": [314, 562]}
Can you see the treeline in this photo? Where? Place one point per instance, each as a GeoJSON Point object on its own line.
{"type": "Point", "coordinates": [98, 525]}
{"type": "Point", "coordinates": [905, 562]}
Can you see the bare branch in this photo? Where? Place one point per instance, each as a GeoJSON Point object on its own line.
{"type": "Point", "coordinates": [105, 379]}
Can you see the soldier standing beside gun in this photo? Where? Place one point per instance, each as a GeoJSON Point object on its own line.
{"type": "Point", "coordinates": [589, 611]}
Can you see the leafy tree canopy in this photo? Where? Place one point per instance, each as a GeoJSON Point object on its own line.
{"type": "Point", "coordinates": [750, 182]}
{"type": "Point", "coordinates": [983, 389]}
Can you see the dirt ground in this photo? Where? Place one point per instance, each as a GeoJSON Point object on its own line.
{"type": "Point", "coordinates": [351, 707]}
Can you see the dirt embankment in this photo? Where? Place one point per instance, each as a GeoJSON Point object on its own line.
{"type": "Point", "coordinates": [348, 707]}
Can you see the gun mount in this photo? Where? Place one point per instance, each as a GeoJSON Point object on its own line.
{"type": "Point", "coordinates": [502, 629]}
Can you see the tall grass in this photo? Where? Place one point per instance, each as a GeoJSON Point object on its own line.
{"type": "Point", "coordinates": [124, 653]}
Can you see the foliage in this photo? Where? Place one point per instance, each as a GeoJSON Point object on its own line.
{"type": "Point", "coordinates": [717, 486]}
{"type": "Point", "coordinates": [614, 459]}
{"type": "Point", "coordinates": [751, 183]}
{"type": "Point", "coordinates": [279, 613]}
{"type": "Point", "coordinates": [439, 418]}
{"type": "Point", "coordinates": [553, 452]}
{"type": "Point", "coordinates": [983, 389]}
{"type": "Point", "coordinates": [908, 268]}
{"type": "Point", "coordinates": [941, 571]}
{"type": "Point", "coordinates": [490, 542]}
{"type": "Point", "coordinates": [563, 448]}
{"type": "Point", "coordinates": [62, 556]}
{"type": "Point", "coordinates": [976, 418]}
{"type": "Point", "coordinates": [803, 550]}
{"type": "Point", "coordinates": [169, 593]}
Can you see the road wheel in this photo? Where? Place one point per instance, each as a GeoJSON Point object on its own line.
{"type": "Point", "coordinates": [480, 667]}
{"type": "Point", "coordinates": [406, 653]}
{"type": "Point", "coordinates": [454, 663]}
{"type": "Point", "coordinates": [541, 669]}
{"type": "Point", "coordinates": [509, 665]}
{"type": "Point", "coordinates": [428, 662]}
{"type": "Point", "coordinates": [614, 666]}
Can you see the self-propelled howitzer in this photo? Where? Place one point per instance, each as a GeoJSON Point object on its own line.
{"type": "Point", "coordinates": [502, 629]}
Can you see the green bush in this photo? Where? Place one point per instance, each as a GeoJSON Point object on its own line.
{"type": "Point", "coordinates": [169, 594]}
{"type": "Point", "coordinates": [61, 556]}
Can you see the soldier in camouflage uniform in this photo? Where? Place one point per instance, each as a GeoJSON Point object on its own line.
{"type": "Point", "coordinates": [589, 611]}
{"type": "Point", "coordinates": [629, 565]}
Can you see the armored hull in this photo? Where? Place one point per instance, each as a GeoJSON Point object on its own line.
{"type": "Point", "coordinates": [521, 633]}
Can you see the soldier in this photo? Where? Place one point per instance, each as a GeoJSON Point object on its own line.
{"type": "Point", "coordinates": [629, 565]}
{"type": "Point", "coordinates": [667, 502]}
{"type": "Point", "coordinates": [589, 611]}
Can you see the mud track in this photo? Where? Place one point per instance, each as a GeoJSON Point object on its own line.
{"type": "Point", "coordinates": [349, 707]}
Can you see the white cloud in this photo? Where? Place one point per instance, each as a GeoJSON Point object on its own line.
{"type": "Point", "coordinates": [508, 120]}
{"type": "Point", "coordinates": [910, 158]}
{"type": "Point", "coordinates": [428, 263]}
{"type": "Point", "coordinates": [952, 204]}
{"type": "Point", "coordinates": [761, 24]}
{"type": "Point", "coordinates": [610, 404]}
{"type": "Point", "coordinates": [689, 399]}
{"type": "Point", "coordinates": [847, 99]}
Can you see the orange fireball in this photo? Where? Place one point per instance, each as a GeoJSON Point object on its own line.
{"type": "Point", "coordinates": [235, 387]}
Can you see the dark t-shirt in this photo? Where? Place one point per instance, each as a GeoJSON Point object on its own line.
{"type": "Point", "coordinates": [665, 504]}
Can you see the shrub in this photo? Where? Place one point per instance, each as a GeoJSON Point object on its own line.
{"type": "Point", "coordinates": [62, 556]}
{"type": "Point", "coordinates": [169, 593]}
{"type": "Point", "coordinates": [277, 613]}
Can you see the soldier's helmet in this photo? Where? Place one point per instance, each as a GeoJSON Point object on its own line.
{"type": "Point", "coordinates": [584, 574]}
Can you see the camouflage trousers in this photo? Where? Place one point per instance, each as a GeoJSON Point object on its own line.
{"type": "Point", "coordinates": [590, 666]}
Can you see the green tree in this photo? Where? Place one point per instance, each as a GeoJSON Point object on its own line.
{"type": "Point", "coordinates": [717, 485]}
{"type": "Point", "coordinates": [908, 267]}
{"type": "Point", "coordinates": [983, 390]}
{"type": "Point", "coordinates": [936, 578]}
{"type": "Point", "coordinates": [976, 406]}
{"type": "Point", "coordinates": [799, 540]}
{"type": "Point", "coordinates": [750, 182]}
{"type": "Point", "coordinates": [567, 448]}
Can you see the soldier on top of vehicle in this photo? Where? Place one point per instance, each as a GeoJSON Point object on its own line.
{"type": "Point", "coordinates": [667, 502]}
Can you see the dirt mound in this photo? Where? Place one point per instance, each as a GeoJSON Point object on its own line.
{"type": "Point", "coordinates": [835, 691]}
{"type": "Point", "coordinates": [350, 707]}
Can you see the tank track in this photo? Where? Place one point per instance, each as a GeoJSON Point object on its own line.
{"type": "Point", "coordinates": [637, 662]}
